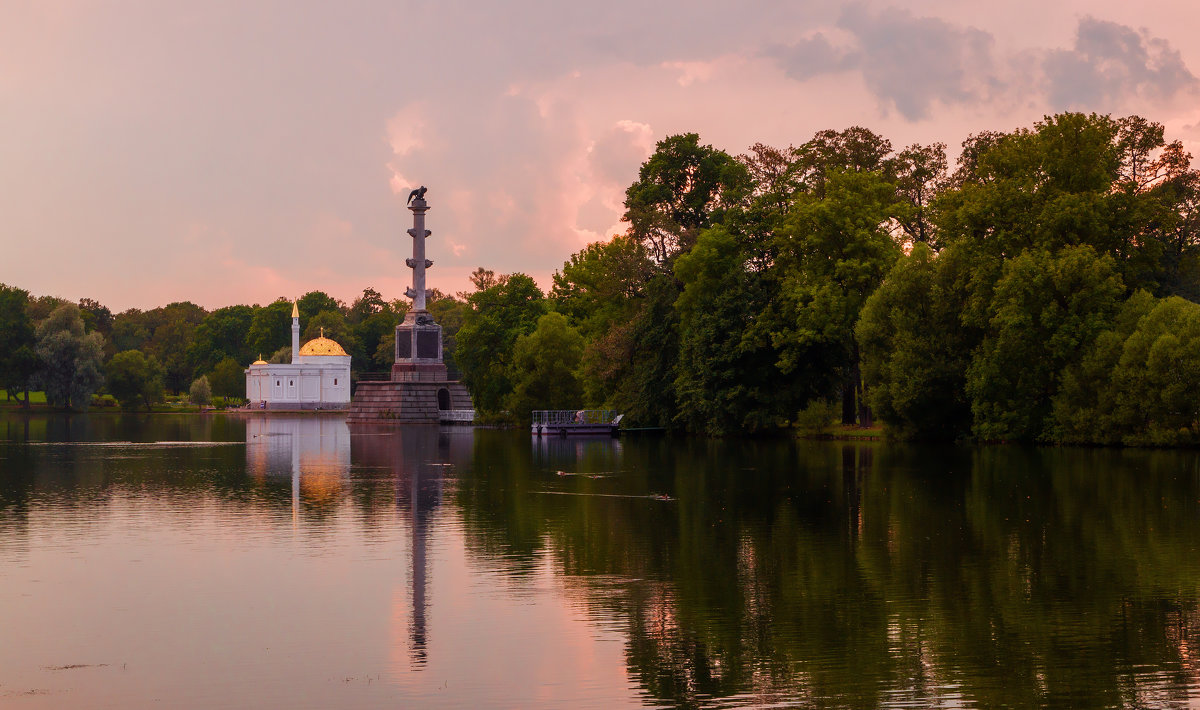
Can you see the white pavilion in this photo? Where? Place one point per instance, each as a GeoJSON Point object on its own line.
{"type": "Point", "coordinates": [318, 376]}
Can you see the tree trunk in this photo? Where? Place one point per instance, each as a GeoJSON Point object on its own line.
{"type": "Point", "coordinates": [848, 405]}
{"type": "Point", "coordinates": [865, 418]}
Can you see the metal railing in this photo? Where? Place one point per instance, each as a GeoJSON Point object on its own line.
{"type": "Point", "coordinates": [558, 417]}
{"type": "Point", "coordinates": [464, 416]}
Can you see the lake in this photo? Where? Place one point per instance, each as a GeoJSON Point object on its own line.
{"type": "Point", "coordinates": [213, 561]}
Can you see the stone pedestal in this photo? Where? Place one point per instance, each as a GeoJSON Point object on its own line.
{"type": "Point", "coordinates": [410, 402]}
{"type": "Point", "coordinates": [418, 349]}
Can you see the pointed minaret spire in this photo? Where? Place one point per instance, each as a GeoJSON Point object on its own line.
{"type": "Point", "coordinates": [295, 332]}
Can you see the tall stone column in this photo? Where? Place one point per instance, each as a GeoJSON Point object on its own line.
{"type": "Point", "coordinates": [418, 263]}
{"type": "Point", "coordinates": [418, 338]}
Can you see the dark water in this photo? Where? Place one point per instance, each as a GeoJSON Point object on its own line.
{"type": "Point", "coordinates": [293, 562]}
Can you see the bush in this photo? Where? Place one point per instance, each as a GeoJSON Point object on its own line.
{"type": "Point", "coordinates": [201, 392]}
{"type": "Point", "coordinates": [817, 417]}
{"type": "Point", "coordinates": [104, 400]}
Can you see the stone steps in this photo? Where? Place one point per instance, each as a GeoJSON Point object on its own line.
{"type": "Point", "coordinates": [404, 402]}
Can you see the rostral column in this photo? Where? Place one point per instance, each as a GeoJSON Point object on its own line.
{"type": "Point", "coordinates": [418, 338]}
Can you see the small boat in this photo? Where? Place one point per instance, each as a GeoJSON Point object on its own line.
{"type": "Point", "coordinates": [575, 422]}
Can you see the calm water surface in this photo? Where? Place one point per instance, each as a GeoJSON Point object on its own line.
{"type": "Point", "coordinates": [213, 562]}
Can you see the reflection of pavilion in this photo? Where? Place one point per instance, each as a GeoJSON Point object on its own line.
{"type": "Point", "coordinates": [419, 457]}
{"type": "Point", "coordinates": [313, 450]}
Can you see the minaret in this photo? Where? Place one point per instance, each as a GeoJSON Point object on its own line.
{"type": "Point", "coordinates": [295, 332]}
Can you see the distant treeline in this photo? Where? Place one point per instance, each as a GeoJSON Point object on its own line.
{"type": "Point", "coordinates": [1042, 289]}
{"type": "Point", "coordinates": [74, 350]}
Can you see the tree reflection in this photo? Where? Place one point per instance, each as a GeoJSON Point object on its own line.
{"type": "Point", "coordinates": [864, 575]}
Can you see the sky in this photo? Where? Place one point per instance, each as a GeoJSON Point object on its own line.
{"type": "Point", "coordinates": [236, 152]}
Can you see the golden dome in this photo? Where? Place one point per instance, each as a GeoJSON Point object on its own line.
{"type": "Point", "coordinates": [259, 362]}
{"type": "Point", "coordinates": [322, 346]}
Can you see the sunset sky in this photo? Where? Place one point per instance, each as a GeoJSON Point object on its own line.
{"type": "Point", "coordinates": [235, 152]}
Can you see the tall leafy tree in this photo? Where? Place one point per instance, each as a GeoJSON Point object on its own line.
{"type": "Point", "coordinates": [915, 347]}
{"type": "Point", "coordinates": [855, 149]}
{"type": "Point", "coordinates": [921, 174]}
{"type": "Point", "coordinates": [833, 252]}
{"type": "Point", "coordinates": [95, 316]}
{"type": "Point", "coordinates": [130, 330]}
{"type": "Point", "coordinates": [1086, 407]}
{"type": "Point", "coordinates": [172, 329]}
{"type": "Point", "coordinates": [1047, 310]}
{"type": "Point", "coordinates": [72, 360]}
{"type": "Point", "coordinates": [228, 379]}
{"type": "Point", "coordinates": [682, 188]}
{"type": "Point", "coordinates": [133, 378]}
{"type": "Point", "coordinates": [223, 333]}
{"type": "Point", "coordinates": [365, 306]}
{"type": "Point", "coordinates": [726, 376]}
{"type": "Point", "coordinates": [18, 357]}
{"type": "Point", "coordinates": [271, 327]}
{"type": "Point", "coordinates": [545, 368]}
{"type": "Point", "coordinates": [601, 284]}
{"type": "Point", "coordinates": [498, 315]}
{"type": "Point", "coordinates": [314, 302]}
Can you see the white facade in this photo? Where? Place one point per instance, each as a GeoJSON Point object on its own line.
{"type": "Point", "coordinates": [317, 378]}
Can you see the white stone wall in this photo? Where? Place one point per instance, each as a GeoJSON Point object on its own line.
{"type": "Point", "coordinates": [315, 381]}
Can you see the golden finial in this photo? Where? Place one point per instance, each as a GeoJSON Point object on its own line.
{"type": "Point", "coordinates": [322, 331]}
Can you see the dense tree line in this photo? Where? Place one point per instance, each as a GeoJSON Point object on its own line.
{"type": "Point", "coordinates": [1044, 289]}
{"type": "Point", "coordinates": [72, 351]}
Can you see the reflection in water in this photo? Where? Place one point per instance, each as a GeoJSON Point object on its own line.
{"type": "Point", "coordinates": [313, 450]}
{"type": "Point", "coordinates": [418, 458]}
{"type": "Point", "coordinates": [687, 573]}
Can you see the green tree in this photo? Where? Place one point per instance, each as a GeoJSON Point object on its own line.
{"type": "Point", "coordinates": [601, 284]}
{"type": "Point", "coordinates": [95, 316]}
{"type": "Point", "coordinates": [632, 368]}
{"type": "Point", "coordinates": [223, 333]}
{"type": "Point", "coordinates": [855, 150]}
{"type": "Point", "coordinates": [915, 347]}
{"type": "Point", "coordinates": [1158, 376]}
{"type": "Point", "coordinates": [1072, 179]}
{"type": "Point", "coordinates": [499, 315]}
{"type": "Point", "coordinates": [1085, 408]}
{"type": "Point", "coordinates": [328, 324]}
{"type": "Point", "coordinates": [172, 329]}
{"type": "Point", "coordinates": [366, 336]}
{"type": "Point", "coordinates": [72, 360]}
{"type": "Point", "coordinates": [682, 188]}
{"type": "Point", "coordinates": [544, 369]}
{"type": "Point", "coordinates": [726, 378]}
{"type": "Point", "coordinates": [833, 253]}
{"type": "Point", "coordinates": [1046, 312]}
{"type": "Point", "coordinates": [228, 379]}
{"type": "Point", "coordinates": [130, 330]}
{"type": "Point", "coordinates": [134, 378]}
{"type": "Point", "coordinates": [366, 305]}
{"type": "Point", "coordinates": [448, 312]}
{"type": "Point", "coordinates": [200, 391]}
{"type": "Point", "coordinates": [921, 174]}
{"type": "Point", "coordinates": [314, 302]}
{"type": "Point", "coordinates": [18, 358]}
{"type": "Point", "coordinates": [271, 327]}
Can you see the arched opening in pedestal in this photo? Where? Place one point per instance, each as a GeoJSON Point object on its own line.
{"type": "Point", "coordinates": [443, 399]}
